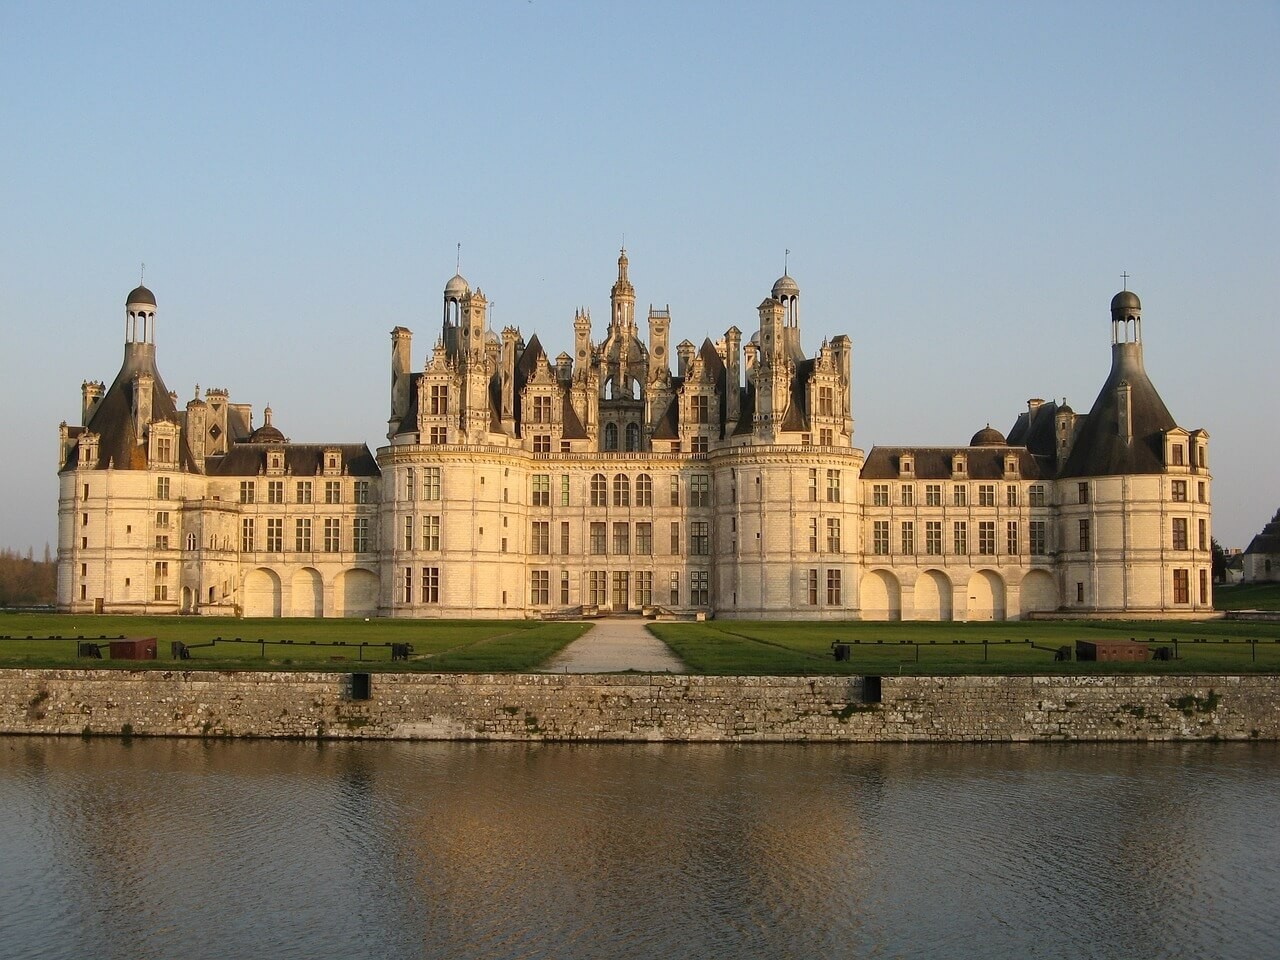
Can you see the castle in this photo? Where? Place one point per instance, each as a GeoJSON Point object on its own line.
{"type": "Point", "coordinates": [515, 485]}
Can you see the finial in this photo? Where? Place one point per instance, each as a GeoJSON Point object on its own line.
{"type": "Point", "coordinates": [197, 391]}
{"type": "Point", "coordinates": [786, 258]}
{"type": "Point", "coordinates": [1125, 278]}
{"type": "Point", "coordinates": [457, 264]}
{"type": "Point", "coordinates": [142, 275]}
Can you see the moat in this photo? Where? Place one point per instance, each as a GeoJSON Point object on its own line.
{"type": "Point", "coordinates": [160, 848]}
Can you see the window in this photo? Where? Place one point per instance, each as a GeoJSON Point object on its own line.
{"type": "Point", "coordinates": [599, 490]}
{"type": "Point", "coordinates": [275, 491]}
{"type": "Point", "coordinates": [833, 588]}
{"type": "Point", "coordinates": [302, 535]}
{"type": "Point", "coordinates": [813, 534]}
{"type": "Point", "coordinates": [542, 443]}
{"type": "Point", "coordinates": [675, 538]}
{"type": "Point", "coordinates": [430, 584]}
{"type": "Point", "coordinates": [621, 490]}
{"type": "Point", "coordinates": [698, 444]}
{"type": "Point", "coordinates": [700, 490]}
{"type": "Point", "coordinates": [430, 532]}
{"type": "Point", "coordinates": [959, 495]}
{"type": "Point", "coordinates": [644, 539]}
{"type": "Point", "coordinates": [162, 569]}
{"type": "Point", "coordinates": [908, 537]}
{"type": "Point", "coordinates": [332, 535]}
{"type": "Point", "coordinates": [1180, 533]}
{"type": "Point", "coordinates": [813, 484]}
{"type": "Point", "coordinates": [541, 490]}
{"type": "Point", "coordinates": [907, 495]}
{"type": "Point", "coordinates": [564, 538]}
{"type": "Point", "coordinates": [880, 495]}
{"type": "Point", "coordinates": [826, 402]}
{"type": "Point", "coordinates": [164, 449]}
{"type": "Point", "coordinates": [539, 587]}
{"type": "Point", "coordinates": [431, 483]}
{"type": "Point", "coordinates": [599, 587]}
{"type": "Point", "coordinates": [810, 584]}
{"type": "Point", "coordinates": [361, 490]}
{"type": "Point", "coordinates": [410, 483]}
{"type": "Point", "coordinates": [408, 584]}
{"type": "Point", "coordinates": [699, 592]}
{"type": "Point", "coordinates": [622, 538]}
{"type": "Point", "coordinates": [540, 537]}
{"type": "Point", "coordinates": [162, 488]}
{"type": "Point", "coordinates": [1178, 453]}
{"type": "Point", "coordinates": [611, 436]}
{"type": "Point", "coordinates": [304, 491]}
{"type": "Point", "coordinates": [701, 408]}
{"type": "Point", "coordinates": [644, 490]}
{"type": "Point", "coordinates": [959, 537]}
{"type": "Point", "coordinates": [1037, 534]}
{"type": "Point", "coordinates": [1035, 494]}
{"type": "Point", "coordinates": [247, 489]}
{"type": "Point", "coordinates": [564, 489]}
{"type": "Point", "coordinates": [1011, 537]}
{"type": "Point", "coordinates": [162, 519]}
{"type": "Point", "coordinates": [933, 538]}
{"type": "Point", "coordinates": [333, 491]}
{"type": "Point", "coordinates": [1079, 592]}
{"type": "Point", "coordinates": [987, 537]}
{"type": "Point", "coordinates": [408, 533]}
{"type": "Point", "coordinates": [1082, 492]}
{"type": "Point", "coordinates": [1084, 535]}
{"type": "Point", "coordinates": [275, 534]}
{"type": "Point", "coordinates": [1181, 586]}
{"type": "Point", "coordinates": [1204, 586]}
{"type": "Point", "coordinates": [541, 409]}
{"type": "Point", "coordinates": [826, 436]}
{"type": "Point", "coordinates": [833, 534]}
{"type": "Point", "coordinates": [439, 400]}
{"type": "Point", "coordinates": [1200, 491]}
{"type": "Point", "coordinates": [633, 437]}
{"type": "Point", "coordinates": [162, 543]}
{"type": "Point", "coordinates": [700, 538]}
{"type": "Point", "coordinates": [1203, 539]}
{"type": "Point", "coordinates": [933, 495]}
{"type": "Point", "coordinates": [675, 491]}
{"type": "Point", "coordinates": [597, 538]}
{"type": "Point", "coordinates": [1178, 493]}
{"type": "Point", "coordinates": [564, 587]}
{"type": "Point", "coordinates": [246, 535]}
{"type": "Point", "coordinates": [644, 588]}
{"type": "Point", "coordinates": [833, 486]}
{"type": "Point", "coordinates": [986, 494]}
{"type": "Point", "coordinates": [675, 589]}
{"type": "Point", "coordinates": [1011, 495]}
{"type": "Point", "coordinates": [360, 534]}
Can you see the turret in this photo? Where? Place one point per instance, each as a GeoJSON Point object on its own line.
{"type": "Point", "coordinates": [401, 375]}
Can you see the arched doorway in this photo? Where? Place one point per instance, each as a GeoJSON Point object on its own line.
{"type": "Point", "coordinates": [262, 593]}
{"type": "Point", "coordinates": [355, 594]}
{"type": "Point", "coordinates": [986, 596]}
{"type": "Point", "coordinates": [933, 596]}
{"type": "Point", "coordinates": [308, 594]}
{"type": "Point", "coordinates": [1038, 592]}
{"type": "Point", "coordinates": [881, 597]}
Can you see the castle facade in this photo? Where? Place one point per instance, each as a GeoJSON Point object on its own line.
{"type": "Point", "coordinates": [517, 485]}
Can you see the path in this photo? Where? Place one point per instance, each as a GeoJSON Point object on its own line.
{"type": "Point", "coordinates": [615, 645]}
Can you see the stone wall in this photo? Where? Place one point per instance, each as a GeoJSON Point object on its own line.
{"type": "Point", "coordinates": [638, 708]}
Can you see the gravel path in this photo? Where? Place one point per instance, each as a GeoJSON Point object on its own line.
{"type": "Point", "coordinates": [612, 646]}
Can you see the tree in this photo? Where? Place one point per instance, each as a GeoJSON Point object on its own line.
{"type": "Point", "coordinates": [1219, 561]}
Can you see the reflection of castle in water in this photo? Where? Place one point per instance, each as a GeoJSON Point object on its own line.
{"type": "Point", "coordinates": [513, 485]}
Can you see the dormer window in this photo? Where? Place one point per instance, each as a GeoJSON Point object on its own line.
{"type": "Point", "coordinates": [907, 467]}
{"type": "Point", "coordinates": [959, 465]}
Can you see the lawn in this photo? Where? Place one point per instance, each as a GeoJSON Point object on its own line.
{"type": "Point", "coordinates": [462, 646]}
{"type": "Point", "coordinates": [1247, 596]}
{"type": "Point", "coordinates": [726, 647]}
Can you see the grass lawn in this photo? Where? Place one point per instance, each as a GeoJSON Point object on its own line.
{"type": "Point", "coordinates": [1247, 596]}
{"type": "Point", "coordinates": [461, 646]}
{"type": "Point", "coordinates": [726, 647]}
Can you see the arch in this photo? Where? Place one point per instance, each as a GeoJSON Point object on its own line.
{"type": "Point", "coordinates": [611, 436]}
{"type": "Point", "coordinates": [986, 596]}
{"type": "Point", "coordinates": [1038, 592]}
{"type": "Point", "coordinates": [355, 593]}
{"type": "Point", "coordinates": [307, 595]}
{"type": "Point", "coordinates": [262, 593]}
{"type": "Point", "coordinates": [881, 596]}
{"type": "Point", "coordinates": [599, 490]}
{"type": "Point", "coordinates": [633, 437]}
{"type": "Point", "coordinates": [933, 596]}
{"type": "Point", "coordinates": [621, 490]}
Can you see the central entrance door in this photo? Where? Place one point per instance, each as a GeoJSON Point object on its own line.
{"type": "Point", "coordinates": [621, 590]}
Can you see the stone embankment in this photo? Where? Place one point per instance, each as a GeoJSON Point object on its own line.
{"type": "Point", "coordinates": [638, 707]}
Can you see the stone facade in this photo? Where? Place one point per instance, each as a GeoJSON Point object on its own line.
{"type": "Point", "coordinates": [604, 481]}
{"type": "Point", "coordinates": [639, 708]}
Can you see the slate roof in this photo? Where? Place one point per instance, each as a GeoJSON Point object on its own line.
{"type": "Point", "coordinates": [1034, 429]}
{"type": "Point", "coordinates": [300, 459]}
{"type": "Point", "coordinates": [1268, 541]}
{"type": "Point", "coordinates": [934, 463]}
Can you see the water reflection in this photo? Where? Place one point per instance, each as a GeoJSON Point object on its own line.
{"type": "Point", "coordinates": [220, 849]}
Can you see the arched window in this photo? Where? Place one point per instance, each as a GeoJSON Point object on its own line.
{"type": "Point", "coordinates": [621, 490]}
{"type": "Point", "coordinates": [644, 490]}
{"type": "Point", "coordinates": [191, 541]}
{"type": "Point", "coordinates": [599, 490]}
{"type": "Point", "coordinates": [633, 436]}
{"type": "Point", "coordinates": [611, 436]}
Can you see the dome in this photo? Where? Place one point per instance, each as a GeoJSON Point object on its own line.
{"type": "Point", "coordinates": [1126, 301]}
{"type": "Point", "coordinates": [457, 286]}
{"type": "Point", "coordinates": [785, 287]}
{"type": "Point", "coordinates": [491, 337]}
{"type": "Point", "coordinates": [988, 436]}
{"type": "Point", "coordinates": [267, 433]}
{"type": "Point", "coordinates": [140, 294]}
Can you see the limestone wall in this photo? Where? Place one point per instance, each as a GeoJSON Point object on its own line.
{"type": "Point", "coordinates": [638, 708]}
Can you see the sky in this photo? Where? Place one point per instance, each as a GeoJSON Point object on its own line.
{"type": "Point", "coordinates": [961, 187]}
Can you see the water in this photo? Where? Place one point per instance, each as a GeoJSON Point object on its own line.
{"type": "Point", "coordinates": [169, 848]}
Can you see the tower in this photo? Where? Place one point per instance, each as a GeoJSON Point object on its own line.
{"type": "Point", "coordinates": [623, 298]}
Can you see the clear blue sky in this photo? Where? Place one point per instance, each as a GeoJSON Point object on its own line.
{"type": "Point", "coordinates": [961, 186]}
